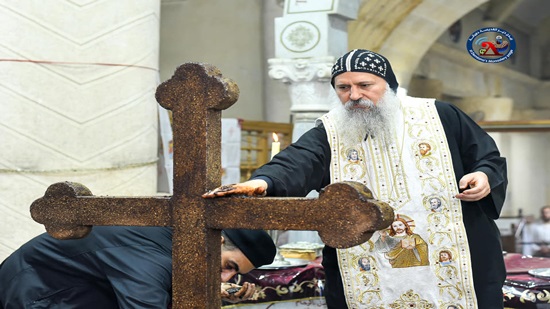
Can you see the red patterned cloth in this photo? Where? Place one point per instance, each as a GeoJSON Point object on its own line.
{"type": "Point", "coordinates": [286, 284]}
{"type": "Point", "coordinates": [522, 290]}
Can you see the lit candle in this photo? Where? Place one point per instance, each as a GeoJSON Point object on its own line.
{"type": "Point", "coordinates": [275, 146]}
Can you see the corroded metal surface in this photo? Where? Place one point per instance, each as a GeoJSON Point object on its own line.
{"type": "Point", "coordinates": [68, 210]}
{"type": "Point", "coordinates": [344, 214]}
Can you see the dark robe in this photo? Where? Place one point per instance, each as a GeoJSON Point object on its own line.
{"type": "Point", "coordinates": [305, 166]}
{"type": "Point", "coordinates": [113, 267]}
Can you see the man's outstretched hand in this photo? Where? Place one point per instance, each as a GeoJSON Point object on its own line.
{"type": "Point", "coordinates": [256, 187]}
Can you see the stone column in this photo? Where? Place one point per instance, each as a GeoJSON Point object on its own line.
{"type": "Point", "coordinates": [308, 38]}
{"type": "Point", "coordinates": [308, 82]}
{"type": "Point", "coordinates": [77, 83]}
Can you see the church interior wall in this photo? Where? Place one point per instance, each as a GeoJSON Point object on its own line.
{"type": "Point", "coordinates": [409, 41]}
{"type": "Point", "coordinates": [542, 93]}
{"type": "Point", "coordinates": [540, 45]}
{"type": "Point", "coordinates": [463, 76]}
{"type": "Point", "coordinates": [521, 60]}
{"type": "Point", "coordinates": [226, 34]}
{"type": "Point", "coordinates": [474, 20]}
{"type": "Point", "coordinates": [77, 102]}
{"type": "Point", "coordinates": [528, 171]}
{"type": "Point", "coordinates": [276, 94]}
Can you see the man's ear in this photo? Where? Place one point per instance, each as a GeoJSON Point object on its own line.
{"type": "Point", "coordinates": [223, 240]}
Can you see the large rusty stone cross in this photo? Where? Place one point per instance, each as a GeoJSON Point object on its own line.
{"type": "Point", "coordinates": [345, 214]}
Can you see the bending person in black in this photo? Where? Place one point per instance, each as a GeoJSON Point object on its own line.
{"type": "Point", "coordinates": [116, 267]}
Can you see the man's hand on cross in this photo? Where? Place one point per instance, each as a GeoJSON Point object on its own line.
{"type": "Point", "coordinates": [256, 187]}
{"type": "Point", "coordinates": [234, 293]}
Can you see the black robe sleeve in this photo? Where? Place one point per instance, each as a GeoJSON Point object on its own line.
{"type": "Point", "coordinates": [472, 150]}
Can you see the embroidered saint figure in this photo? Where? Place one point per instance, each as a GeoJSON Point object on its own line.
{"type": "Point", "coordinates": [364, 264]}
{"type": "Point", "coordinates": [445, 257]}
{"type": "Point", "coordinates": [425, 149]}
{"type": "Point", "coordinates": [353, 156]}
{"type": "Point", "coordinates": [435, 204]}
{"type": "Point", "coordinates": [401, 246]}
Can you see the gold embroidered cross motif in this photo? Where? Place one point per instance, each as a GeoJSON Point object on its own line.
{"type": "Point", "coordinates": [411, 300]}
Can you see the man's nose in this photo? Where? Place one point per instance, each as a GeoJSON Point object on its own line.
{"type": "Point", "coordinates": [227, 274]}
{"type": "Point", "coordinates": [354, 94]}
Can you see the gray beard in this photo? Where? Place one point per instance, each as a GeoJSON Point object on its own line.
{"type": "Point", "coordinates": [378, 121]}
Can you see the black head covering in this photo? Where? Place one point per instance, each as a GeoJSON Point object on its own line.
{"type": "Point", "coordinates": [362, 60]}
{"type": "Point", "coordinates": [256, 245]}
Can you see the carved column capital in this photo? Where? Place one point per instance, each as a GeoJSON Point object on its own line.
{"type": "Point", "coordinates": [309, 87]}
{"type": "Point", "coordinates": [301, 70]}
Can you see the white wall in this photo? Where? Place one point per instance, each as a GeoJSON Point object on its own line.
{"type": "Point", "coordinates": [226, 34]}
{"type": "Point", "coordinates": [528, 170]}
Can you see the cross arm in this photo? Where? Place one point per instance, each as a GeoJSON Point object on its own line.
{"type": "Point", "coordinates": [68, 210]}
{"type": "Point", "coordinates": [345, 214]}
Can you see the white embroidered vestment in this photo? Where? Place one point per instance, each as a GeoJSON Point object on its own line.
{"type": "Point", "coordinates": [423, 259]}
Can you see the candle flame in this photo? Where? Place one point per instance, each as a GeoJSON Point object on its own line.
{"type": "Point", "coordinates": [275, 137]}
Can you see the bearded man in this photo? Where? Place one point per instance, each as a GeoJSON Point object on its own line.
{"type": "Point", "coordinates": [467, 171]}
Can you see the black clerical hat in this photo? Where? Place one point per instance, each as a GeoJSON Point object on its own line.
{"type": "Point", "coordinates": [256, 245]}
{"type": "Point", "coordinates": [362, 60]}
